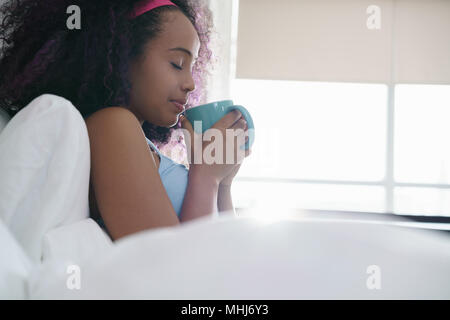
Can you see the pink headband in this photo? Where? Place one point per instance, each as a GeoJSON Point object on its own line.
{"type": "Point", "coordinates": [147, 5]}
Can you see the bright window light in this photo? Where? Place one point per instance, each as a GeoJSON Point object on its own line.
{"type": "Point", "coordinates": [422, 201]}
{"type": "Point", "coordinates": [305, 130]}
{"type": "Point", "coordinates": [422, 134]}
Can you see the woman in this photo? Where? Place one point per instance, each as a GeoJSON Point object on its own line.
{"type": "Point", "coordinates": [129, 69]}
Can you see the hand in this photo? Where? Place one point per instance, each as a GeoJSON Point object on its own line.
{"type": "Point", "coordinates": [229, 178]}
{"type": "Point", "coordinates": [225, 172]}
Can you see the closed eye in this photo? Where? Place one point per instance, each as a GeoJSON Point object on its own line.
{"type": "Point", "coordinates": [176, 66]}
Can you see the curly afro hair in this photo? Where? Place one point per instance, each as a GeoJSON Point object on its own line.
{"type": "Point", "coordinates": [87, 66]}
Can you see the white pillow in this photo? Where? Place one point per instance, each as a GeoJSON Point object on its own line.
{"type": "Point", "coordinates": [15, 267]}
{"type": "Point", "coordinates": [4, 119]}
{"type": "Point", "coordinates": [44, 170]}
{"type": "Point", "coordinates": [75, 242]}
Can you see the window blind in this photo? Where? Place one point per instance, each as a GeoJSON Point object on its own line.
{"type": "Point", "coordinates": [328, 40]}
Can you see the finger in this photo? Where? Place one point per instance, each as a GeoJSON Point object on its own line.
{"type": "Point", "coordinates": [240, 123]}
{"type": "Point", "coordinates": [247, 153]}
{"type": "Point", "coordinates": [188, 133]}
{"type": "Point", "coordinates": [242, 138]}
{"type": "Point", "coordinates": [241, 135]}
{"type": "Point", "coordinates": [237, 116]}
{"type": "Point", "coordinates": [243, 154]}
{"type": "Point", "coordinates": [185, 123]}
{"type": "Point", "coordinates": [240, 148]}
{"type": "Point", "coordinates": [228, 120]}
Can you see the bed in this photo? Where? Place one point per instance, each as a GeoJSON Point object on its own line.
{"type": "Point", "coordinates": [51, 249]}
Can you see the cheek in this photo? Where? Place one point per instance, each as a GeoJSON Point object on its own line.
{"type": "Point", "coordinates": [155, 82]}
{"type": "Point", "coordinates": [144, 84]}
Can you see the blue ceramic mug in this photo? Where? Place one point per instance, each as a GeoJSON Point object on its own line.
{"type": "Point", "coordinates": [212, 112]}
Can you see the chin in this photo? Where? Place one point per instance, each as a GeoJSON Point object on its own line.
{"type": "Point", "coordinates": [172, 125]}
{"type": "Point", "coordinates": [168, 122]}
{"type": "Point", "coordinates": [174, 121]}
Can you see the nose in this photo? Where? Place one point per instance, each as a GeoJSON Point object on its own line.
{"type": "Point", "coordinates": [189, 83]}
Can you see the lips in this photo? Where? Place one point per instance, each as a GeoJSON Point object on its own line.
{"type": "Point", "coordinates": [180, 101]}
{"type": "Point", "coordinates": [179, 105]}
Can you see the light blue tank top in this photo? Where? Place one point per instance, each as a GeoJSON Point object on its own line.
{"type": "Point", "coordinates": [174, 177]}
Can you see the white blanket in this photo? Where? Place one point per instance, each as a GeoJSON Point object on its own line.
{"type": "Point", "coordinates": [247, 258]}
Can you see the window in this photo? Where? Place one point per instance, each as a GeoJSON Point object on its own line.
{"type": "Point", "coordinates": [325, 146]}
{"type": "Point", "coordinates": [355, 138]}
{"type": "Point", "coordinates": [422, 149]}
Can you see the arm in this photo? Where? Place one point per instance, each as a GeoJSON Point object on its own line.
{"type": "Point", "coordinates": [225, 202]}
{"type": "Point", "coordinates": [200, 198]}
{"type": "Point", "coordinates": [129, 192]}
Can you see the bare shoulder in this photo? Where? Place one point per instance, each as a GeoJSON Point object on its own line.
{"type": "Point", "coordinates": [112, 114]}
{"type": "Point", "coordinates": [115, 126]}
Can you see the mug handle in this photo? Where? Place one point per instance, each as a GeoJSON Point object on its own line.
{"type": "Point", "coordinates": [250, 125]}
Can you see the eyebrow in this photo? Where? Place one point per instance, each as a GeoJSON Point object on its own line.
{"type": "Point", "coordinates": [182, 50]}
